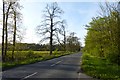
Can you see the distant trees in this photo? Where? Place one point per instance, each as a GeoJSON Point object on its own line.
{"type": "Point", "coordinates": [51, 23]}
{"type": "Point", "coordinates": [73, 43]}
{"type": "Point", "coordinates": [25, 47]}
{"type": "Point", "coordinates": [102, 39]}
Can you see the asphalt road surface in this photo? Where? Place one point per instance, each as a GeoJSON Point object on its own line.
{"type": "Point", "coordinates": [59, 68]}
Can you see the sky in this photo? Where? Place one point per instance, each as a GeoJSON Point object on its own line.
{"type": "Point", "coordinates": [77, 14]}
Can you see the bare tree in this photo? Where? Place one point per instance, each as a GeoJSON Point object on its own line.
{"type": "Point", "coordinates": [64, 34]}
{"type": "Point", "coordinates": [14, 34]}
{"type": "Point", "coordinates": [62, 31]}
{"type": "Point", "coordinates": [9, 14]}
{"type": "Point", "coordinates": [51, 23]}
{"type": "Point", "coordinates": [16, 19]}
{"type": "Point", "coordinates": [3, 56]}
{"type": "Point", "coordinates": [7, 8]}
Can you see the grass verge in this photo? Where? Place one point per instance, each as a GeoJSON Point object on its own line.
{"type": "Point", "coordinates": [100, 68]}
{"type": "Point", "coordinates": [31, 59]}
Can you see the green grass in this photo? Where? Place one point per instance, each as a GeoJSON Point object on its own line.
{"type": "Point", "coordinates": [28, 57]}
{"type": "Point", "coordinates": [100, 68]}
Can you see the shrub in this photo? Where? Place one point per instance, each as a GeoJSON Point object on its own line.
{"type": "Point", "coordinates": [30, 54]}
{"type": "Point", "coordinates": [114, 58]}
{"type": "Point", "coordinates": [86, 56]}
{"type": "Point", "coordinates": [56, 51]}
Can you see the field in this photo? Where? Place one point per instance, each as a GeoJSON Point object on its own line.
{"type": "Point", "coordinates": [28, 57]}
{"type": "Point", "coordinates": [100, 68]}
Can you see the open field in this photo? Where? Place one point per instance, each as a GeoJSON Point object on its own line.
{"type": "Point", "coordinates": [28, 57]}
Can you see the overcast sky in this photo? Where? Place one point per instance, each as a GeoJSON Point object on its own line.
{"type": "Point", "coordinates": [77, 15]}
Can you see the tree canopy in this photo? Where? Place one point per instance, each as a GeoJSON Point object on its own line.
{"type": "Point", "coordinates": [102, 39]}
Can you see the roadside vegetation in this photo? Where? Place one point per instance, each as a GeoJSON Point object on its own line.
{"type": "Point", "coordinates": [101, 54]}
{"type": "Point", "coordinates": [30, 53]}
{"type": "Point", "coordinates": [28, 57]}
{"type": "Point", "coordinates": [100, 68]}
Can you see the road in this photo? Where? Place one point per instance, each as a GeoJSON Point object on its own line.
{"type": "Point", "coordinates": [63, 67]}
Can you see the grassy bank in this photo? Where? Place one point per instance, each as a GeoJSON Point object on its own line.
{"type": "Point", "coordinates": [100, 68]}
{"type": "Point", "coordinates": [28, 57]}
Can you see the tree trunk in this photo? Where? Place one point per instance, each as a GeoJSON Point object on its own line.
{"type": "Point", "coordinates": [64, 40]}
{"type": "Point", "coordinates": [6, 38]}
{"type": "Point", "coordinates": [3, 56]}
{"type": "Point", "coordinates": [51, 35]}
{"type": "Point", "coordinates": [14, 35]}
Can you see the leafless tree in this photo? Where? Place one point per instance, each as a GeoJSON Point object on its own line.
{"type": "Point", "coordinates": [9, 14]}
{"type": "Point", "coordinates": [51, 23]}
{"type": "Point", "coordinates": [3, 55]}
{"type": "Point", "coordinates": [62, 31]}
{"type": "Point", "coordinates": [16, 20]}
{"type": "Point", "coordinates": [6, 7]}
{"type": "Point", "coordinates": [9, 3]}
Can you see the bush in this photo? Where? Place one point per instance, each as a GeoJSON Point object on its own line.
{"type": "Point", "coordinates": [56, 51]}
{"type": "Point", "coordinates": [86, 56]}
{"type": "Point", "coordinates": [114, 58]}
{"type": "Point", "coordinates": [30, 54]}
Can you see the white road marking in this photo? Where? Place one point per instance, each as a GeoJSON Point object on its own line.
{"type": "Point", "coordinates": [55, 63]}
{"type": "Point", "coordinates": [29, 76]}
{"type": "Point", "coordinates": [79, 76]}
{"type": "Point", "coordinates": [82, 75]}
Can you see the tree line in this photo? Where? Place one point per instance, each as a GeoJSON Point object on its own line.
{"type": "Point", "coordinates": [103, 37]}
{"type": "Point", "coordinates": [71, 45]}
